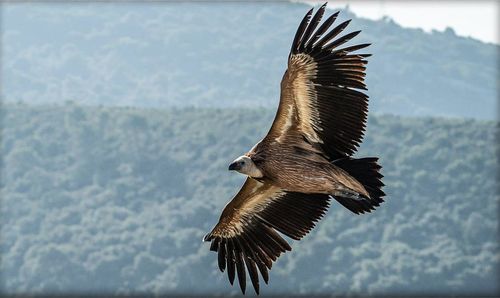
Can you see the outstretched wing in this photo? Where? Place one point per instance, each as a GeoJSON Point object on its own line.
{"type": "Point", "coordinates": [246, 234]}
{"type": "Point", "coordinates": [320, 96]}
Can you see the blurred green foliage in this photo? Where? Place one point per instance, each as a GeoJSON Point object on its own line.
{"type": "Point", "coordinates": [116, 200]}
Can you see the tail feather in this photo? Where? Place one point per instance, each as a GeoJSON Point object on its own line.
{"type": "Point", "coordinates": [367, 172]}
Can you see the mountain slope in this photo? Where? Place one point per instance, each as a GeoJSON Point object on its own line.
{"type": "Point", "coordinates": [225, 55]}
{"type": "Point", "coordinates": [116, 200]}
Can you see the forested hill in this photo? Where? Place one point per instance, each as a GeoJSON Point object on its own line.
{"type": "Point", "coordinates": [225, 55]}
{"type": "Point", "coordinates": [116, 200]}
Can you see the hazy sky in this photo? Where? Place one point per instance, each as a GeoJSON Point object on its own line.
{"type": "Point", "coordinates": [478, 19]}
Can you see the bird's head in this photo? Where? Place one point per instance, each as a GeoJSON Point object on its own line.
{"type": "Point", "coordinates": [245, 165]}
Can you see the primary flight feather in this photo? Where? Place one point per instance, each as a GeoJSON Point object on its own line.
{"type": "Point", "coordinates": [305, 159]}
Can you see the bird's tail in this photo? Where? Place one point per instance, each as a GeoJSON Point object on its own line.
{"type": "Point", "coordinates": [367, 172]}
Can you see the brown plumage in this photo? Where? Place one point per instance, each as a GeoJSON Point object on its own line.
{"type": "Point", "coordinates": [305, 159]}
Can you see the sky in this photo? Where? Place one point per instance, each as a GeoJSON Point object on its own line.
{"type": "Point", "coordinates": [478, 19]}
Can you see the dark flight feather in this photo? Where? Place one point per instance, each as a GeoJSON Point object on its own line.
{"type": "Point", "coordinates": [230, 260]}
{"type": "Point", "coordinates": [321, 30]}
{"type": "Point", "coordinates": [332, 34]}
{"type": "Point", "coordinates": [222, 255]}
{"type": "Point", "coordinates": [300, 31]}
{"type": "Point", "coordinates": [340, 41]}
{"type": "Point", "coordinates": [311, 27]}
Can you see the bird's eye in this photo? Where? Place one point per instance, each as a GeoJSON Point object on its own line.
{"type": "Point", "coordinates": [242, 162]}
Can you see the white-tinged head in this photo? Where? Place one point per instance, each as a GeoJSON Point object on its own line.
{"type": "Point", "coordinates": [245, 165]}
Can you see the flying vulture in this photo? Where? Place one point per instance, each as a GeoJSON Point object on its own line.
{"type": "Point", "coordinates": [305, 160]}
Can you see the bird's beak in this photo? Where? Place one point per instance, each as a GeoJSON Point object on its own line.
{"type": "Point", "coordinates": [235, 166]}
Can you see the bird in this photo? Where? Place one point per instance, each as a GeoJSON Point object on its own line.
{"type": "Point", "coordinates": [306, 158]}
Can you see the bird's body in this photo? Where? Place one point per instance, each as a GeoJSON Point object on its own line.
{"type": "Point", "coordinates": [305, 159]}
{"type": "Point", "coordinates": [295, 165]}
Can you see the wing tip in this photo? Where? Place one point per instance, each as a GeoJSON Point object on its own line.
{"type": "Point", "coordinates": [323, 7]}
{"type": "Point", "coordinates": [300, 31]}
